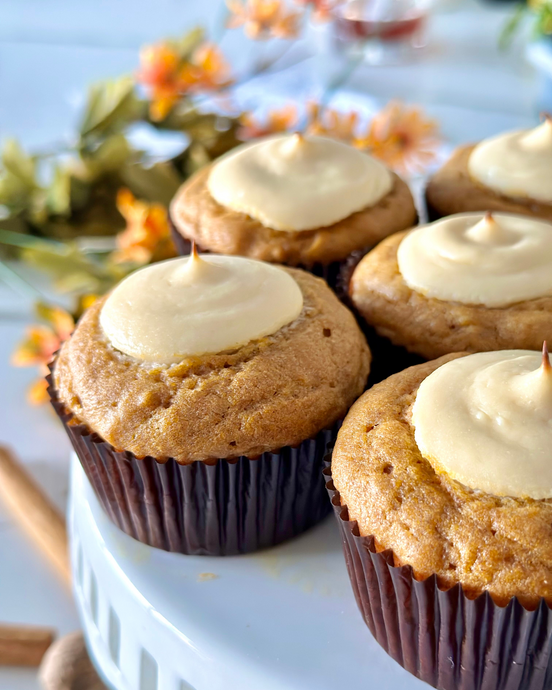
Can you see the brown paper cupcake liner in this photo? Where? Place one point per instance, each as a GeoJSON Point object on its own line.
{"type": "Point", "coordinates": [331, 272]}
{"type": "Point", "coordinates": [387, 358]}
{"type": "Point", "coordinates": [433, 214]}
{"type": "Point", "coordinates": [444, 637]}
{"type": "Point", "coordinates": [219, 508]}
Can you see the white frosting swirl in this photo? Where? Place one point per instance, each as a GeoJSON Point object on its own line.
{"type": "Point", "coordinates": [295, 183]}
{"type": "Point", "coordinates": [517, 164]}
{"type": "Point", "coordinates": [495, 260]}
{"type": "Point", "coordinates": [197, 305]}
{"type": "Point", "coordinates": [486, 421]}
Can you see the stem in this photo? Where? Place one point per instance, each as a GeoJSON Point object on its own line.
{"type": "Point", "coordinates": [220, 23]}
{"type": "Point", "coordinates": [511, 27]}
{"type": "Point", "coordinates": [56, 150]}
{"type": "Point", "coordinates": [341, 79]}
{"type": "Point", "coordinates": [263, 69]}
{"type": "Point", "coordinates": [17, 283]}
{"type": "Point", "coordinates": [16, 239]}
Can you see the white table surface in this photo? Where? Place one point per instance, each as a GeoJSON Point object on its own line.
{"type": "Point", "coordinates": [50, 51]}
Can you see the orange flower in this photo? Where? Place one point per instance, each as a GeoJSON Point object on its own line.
{"type": "Point", "coordinates": [208, 70]}
{"type": "Point", "coordinates": [277, 120]}
{"type": "Point", "coordinates": [159, 66]}
{"type": "Point", "coordinates": [321, 9]}
{"type": "Point", "coordinates": [402, 137]}
{"type": "Point", "coordinates": [42, 342]}
{"type": "Point", "coordinates": [263, 19]}
{"type": "Point", "coordinates": [38, 392]}
{"type": "Point", "coordinates": [147, 235]}
{"type": "Point", "coordinates": [86, 301]}
{"type": "Point", "coordinates": [38, 348]}
{"type": "Point", "coordinates": [332, 123]}
{"type": "Point", "coordinates": [169, 77]}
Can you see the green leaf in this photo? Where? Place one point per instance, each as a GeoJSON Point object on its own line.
{"type": "Point", "coordinates": [18, 163]}
{"type": "Point", "coordinates": [198, 157]}
{"type": "Point", "coordinates": [111, 105]}
{"type": "Point", "coordinates": [108, 157]}
{"type": "Point", "coordinates": [18, 180]}
{"type": "Point", "coordinates": [544, 22]}
{"type": "Point", "coordinates": [79, 191]}
{"type": "Point", "coordinates": [71, 269]}
{"type": "Point", "coordinates": [14, 226]}
{"type": "Point", "coordinates": [190, 41]}
{"type": "Point", "coordinates": [512, 25]}
{"type": "Point", "coordinates": [157, 183]}
{"type": "Point", "coordinates": [58, 195]}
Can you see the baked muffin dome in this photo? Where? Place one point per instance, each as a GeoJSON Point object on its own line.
{"type": "Point", "coordinates": [313, 177]}
{"type": "Point", "coordinates": [431, 521]}
{"type": "Point", "coordinates": [514, 309]}
{"type": "Point", "coordinates": [271, 392]}
{"type": "Point", "coordinates": [510, 173]}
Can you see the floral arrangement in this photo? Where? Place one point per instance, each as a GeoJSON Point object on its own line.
{"type": "Point", "coordinates": [90, 212]}
{"type": "Point", "coordinates": [540, 14]}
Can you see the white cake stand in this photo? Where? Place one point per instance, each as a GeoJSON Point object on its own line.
{"type": "Point", "coordinates": [281, 619]}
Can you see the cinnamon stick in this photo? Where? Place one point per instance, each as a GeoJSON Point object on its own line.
{"type": "Point", "coordinates": [35, 511]}
{"type": "Point", "coordinates": [24, 645]}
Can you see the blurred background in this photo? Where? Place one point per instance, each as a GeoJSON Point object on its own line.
{"type": "Point", "coordinates": [470, 68]}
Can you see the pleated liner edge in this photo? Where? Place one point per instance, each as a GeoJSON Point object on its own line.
{"type": "Point", "coordinates": [227, 507]}
{"type": "Point", "coordinates": [443, 637]}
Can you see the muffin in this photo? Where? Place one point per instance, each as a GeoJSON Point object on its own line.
{"type": "Point", "coordinates": [199, 396]}
{"type": "Point", "coordinates": [304, 201]}
{"type": "Point", "coordinates": [511, 172]}
{"type": "Point", "coordinates": [441, 480]}
{"type": "Point", "coordinates": [469, 282]}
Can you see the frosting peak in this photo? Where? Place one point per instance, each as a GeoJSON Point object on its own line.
{"type": "Point", "coordinates": [486, 421]}
{"type": "Point", "coordinates": [535, 388]}
{"type": "Point", "coordinates": [296, 182]}
{"type": "Point", "coordinates": [517, 164]}
{"type": "Point", "coordinates": [489, 231]}
{"type": "Point", "coordinates": [540, 138]}
{"type": "Point", "coordinates": [493, 259]}
{"type": "Point", "coordinates": [198, 305]}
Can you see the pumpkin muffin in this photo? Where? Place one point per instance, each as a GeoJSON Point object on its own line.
{"type": "Point", "coordinates": [300, 201]}
{"type": "Point", "coordinates": [199, 396]}
{"type": "Point", "coordinates": [469, 282]}
{"type": "Point", "coordinates": [511, 173]}
{"type": "Point", "coordinates": [442, 484]}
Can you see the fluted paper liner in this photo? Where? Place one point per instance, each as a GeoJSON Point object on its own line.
{"type": "Point", "coordinates": [444, 637]}
{"type": "Point", "coordinates": [218, 508]}
{"type": "Point", "coordinates": [387, 358]}
{"type": "Point", "coordinates": [329, 272]}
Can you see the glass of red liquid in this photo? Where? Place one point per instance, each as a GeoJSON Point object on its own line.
{"type": "Point", "coordinates": [383, 31]}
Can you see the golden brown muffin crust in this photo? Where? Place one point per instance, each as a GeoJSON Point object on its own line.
{"type": "Point", "coordinates": [197, 216]}
{"type": "Point", "coordinates": [270, 393]}
{"type": "Point", "coordinates": [436, 524]}
{"type": "Point", "coordinates": [432, 327]}
{"type": "Point", "coordinates": [453, 190]}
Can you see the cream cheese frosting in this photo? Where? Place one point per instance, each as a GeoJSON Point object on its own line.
{"type": "Point", "coordinates": [517, 164]}
{"type": "Point", "coordinates": [197, 305]}
{"type": "Point", "coordinates": [473, 258]}
{"type": "Point", "coordinates": [486, 421]}
{"type": "Point", "coordinates": [295, 183]}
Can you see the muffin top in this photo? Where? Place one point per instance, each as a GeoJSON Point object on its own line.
{"type": "Point", "coordinates": [292, 199]}
{"type": "Point", "coordinates": [453, 189]}
{"type": "Point", "coordinates": [448, 464]}
{"type": "Point", "coordinates": [159, 367]}
{"type": "Point", "coordinates": [295, 183]}
{"type": "Point", "coordinates": [470, 282]}
{"type": "Point", "coordinates": [516, 164]}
